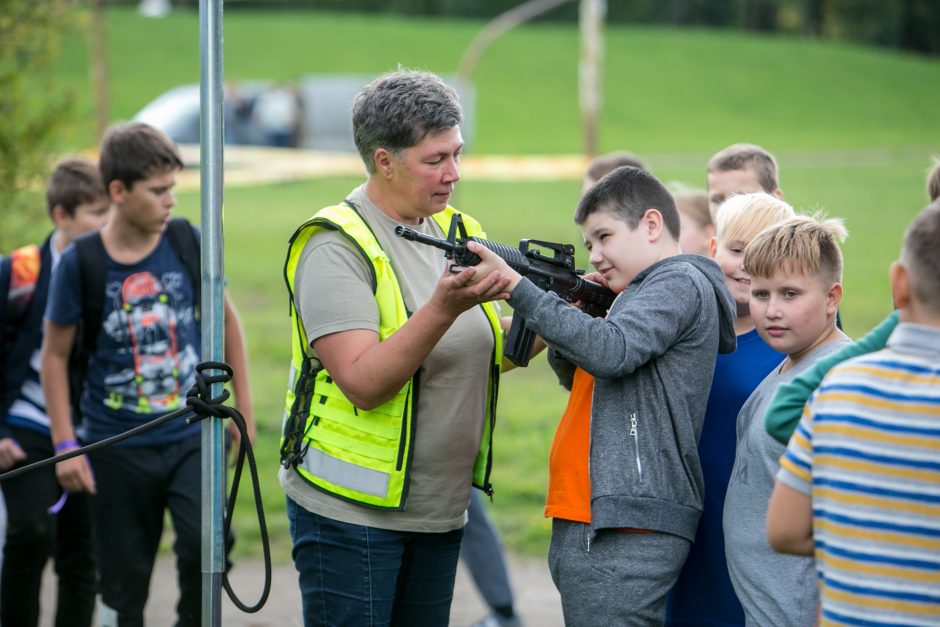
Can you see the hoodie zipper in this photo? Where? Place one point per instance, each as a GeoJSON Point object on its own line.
{"type": "Point", "coordinates": [636, 444]}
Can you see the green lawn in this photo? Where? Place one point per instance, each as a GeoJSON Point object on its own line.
{"type": "Point", "coordinates": [853, 129]}
{"type": "Point", "coordinates": [665, 90]}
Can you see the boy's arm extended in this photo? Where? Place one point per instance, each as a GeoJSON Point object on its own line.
{"type": "Point", "coordinates": [790, 521]}
{"type": "Point", "coordinates": [73, 474]}
{"type": "Point", "coordinates": [604, 347]}
{"type": "Point", "coordinates": [237, 357]}
{"type": "Point", "coordinates": [786, 407]}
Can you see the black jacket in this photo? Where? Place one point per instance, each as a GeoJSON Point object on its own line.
{"type": "Point", "coordinates": [23, 336]}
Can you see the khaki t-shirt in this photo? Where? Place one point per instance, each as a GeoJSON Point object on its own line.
{"type": "Point", "coordinates": [333, 293]}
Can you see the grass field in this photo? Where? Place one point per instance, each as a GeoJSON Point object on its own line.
{"type": "Point", "coordinates": [665, 90]}
{"type": "Point", "coordinates": [853, 129]}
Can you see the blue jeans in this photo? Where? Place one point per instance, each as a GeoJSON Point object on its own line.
{"type": "Point", "coordinates": [355, 575]}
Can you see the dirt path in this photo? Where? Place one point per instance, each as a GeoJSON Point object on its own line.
{"type": "Point", "coordinates": [536, 598]}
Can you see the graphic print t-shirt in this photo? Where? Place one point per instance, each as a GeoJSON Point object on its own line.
{"type": "Point", "coordinates": [147, 347]}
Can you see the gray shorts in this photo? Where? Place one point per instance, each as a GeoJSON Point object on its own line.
{"type": "Point", "coordinates": [616, 577]}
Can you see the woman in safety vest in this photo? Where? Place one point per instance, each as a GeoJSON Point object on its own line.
{"type": "Point", "coordinates": [390, 409]}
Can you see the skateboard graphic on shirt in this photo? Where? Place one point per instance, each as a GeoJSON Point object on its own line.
{"type": "Point", "coordinates": [145, 323]}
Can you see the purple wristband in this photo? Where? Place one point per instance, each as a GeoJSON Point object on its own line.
{"type": "Point", "coordinates": [58, 505]}
{"type": "Point", "coordinates": [61, 446]}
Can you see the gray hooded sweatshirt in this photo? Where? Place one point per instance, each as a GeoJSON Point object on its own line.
{"type": "Point", "coordinates": [652, 357]}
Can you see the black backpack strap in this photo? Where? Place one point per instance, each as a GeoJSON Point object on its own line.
{"type": "Point", "coordinates": [184, 242]}
{"type": "Point", "coordinates": [92, 273]}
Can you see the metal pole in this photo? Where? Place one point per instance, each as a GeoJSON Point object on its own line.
{"type": "Point", "coordinates": [98, 49]}
{"type": "Point", "coordinates": [210, 168]}
{"type": "Point", "coordinates": [590, 70]}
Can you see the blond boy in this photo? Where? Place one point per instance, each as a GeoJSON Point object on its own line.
{"type": "Point", "coordinates": [858, 482]}
{"type": "Point", "coordinates": [741, 169]}
{"type": "Point", "coordinates": [703, 593]}
{"type": "Point", "coordinates": [795, 270]}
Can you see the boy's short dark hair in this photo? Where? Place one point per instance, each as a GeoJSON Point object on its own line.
{"type": "Point", "coordinates": [748, 156]}
{"type": "Point", "coordinates": [628, 193]}
{"type": "Point", "coordinates": [603, 165]}
{"type": "Point", "coordinates": [921, 256]}
{"type": "Point", "coordinates": [399, 109]}
{"type": "Point", "coordinates": [933, 181]}
{"type": "Point", "coordinates": [74, 180]}
{"type": "Point", "coordinates": [135, 151]}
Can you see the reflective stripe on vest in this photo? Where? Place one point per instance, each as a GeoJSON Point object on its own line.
{"type": "Point", "coordinates": [358, 455]}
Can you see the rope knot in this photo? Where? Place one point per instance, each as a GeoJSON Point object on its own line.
{"type": "Point", "coordinates": [198, 396]}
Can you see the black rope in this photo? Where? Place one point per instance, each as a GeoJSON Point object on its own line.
{"type": "Point", "coordinates": [195, 399]}
{"type": "Point", "coordinates": [198, 407]}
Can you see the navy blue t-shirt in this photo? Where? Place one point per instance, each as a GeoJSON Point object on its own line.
{"type": "Point", "coordinates": [147, 349]}
{"type": "Point", "coordinates": [703, 595]}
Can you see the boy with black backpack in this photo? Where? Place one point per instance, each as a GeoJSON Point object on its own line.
{"type": "Point", "coordinates": [130, 295]}
{"type": "Point", "coordinates": [40, 524]}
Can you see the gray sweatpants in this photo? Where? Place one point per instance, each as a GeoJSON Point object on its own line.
{"type": "Point", "coordinates": [616, 577]}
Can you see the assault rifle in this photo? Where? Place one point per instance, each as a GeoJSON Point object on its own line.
{"type": "Point", "coordinates": [553, 274]}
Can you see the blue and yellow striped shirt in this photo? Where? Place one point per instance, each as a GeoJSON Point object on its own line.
{"type": "Point", "coordinates": [867, 450]}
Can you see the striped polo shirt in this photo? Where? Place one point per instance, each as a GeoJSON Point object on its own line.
{"type": "Point", "coordinates": [867, 450]}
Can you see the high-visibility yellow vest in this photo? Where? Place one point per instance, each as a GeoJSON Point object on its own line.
{"type": "Point", "coordinates": [358, 455]}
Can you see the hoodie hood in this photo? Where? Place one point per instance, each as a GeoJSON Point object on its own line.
{"type": "Point", "coordinates": [727, 310]}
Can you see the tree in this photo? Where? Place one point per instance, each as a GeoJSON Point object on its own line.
{"type": "Point", "coordinates": [32, 110]}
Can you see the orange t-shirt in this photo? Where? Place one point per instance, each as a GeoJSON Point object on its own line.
{"type": "Point", "coordinates": [569, 481]}
{"type": "Point", "coordinates": [569, 477]}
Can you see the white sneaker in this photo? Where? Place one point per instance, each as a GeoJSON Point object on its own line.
{"type": "Point", "coordinates": [495, 620]}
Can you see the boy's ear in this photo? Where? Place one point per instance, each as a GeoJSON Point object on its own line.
{"type": "Point", "coordinates": [713, 247]}
{"type": "Point", "coordinates": [652, 223]}
{"type": "Point", "coordinates": [778, 193]}
{"type": "Point", "coordinates": [59, 215]}
{"type": "Point", "coordinates": [117, 191]}
{"type": "Point", "coordinates": [833, 298]}
{"type": "Point", "coordinates": [900, 285]}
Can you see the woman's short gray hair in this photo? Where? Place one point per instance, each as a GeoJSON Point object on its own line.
{"type": "Point", "coordinates": [397, 110]}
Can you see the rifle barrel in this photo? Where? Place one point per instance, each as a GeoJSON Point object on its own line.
{"type": "Point", "coordinates": [415, 236]}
